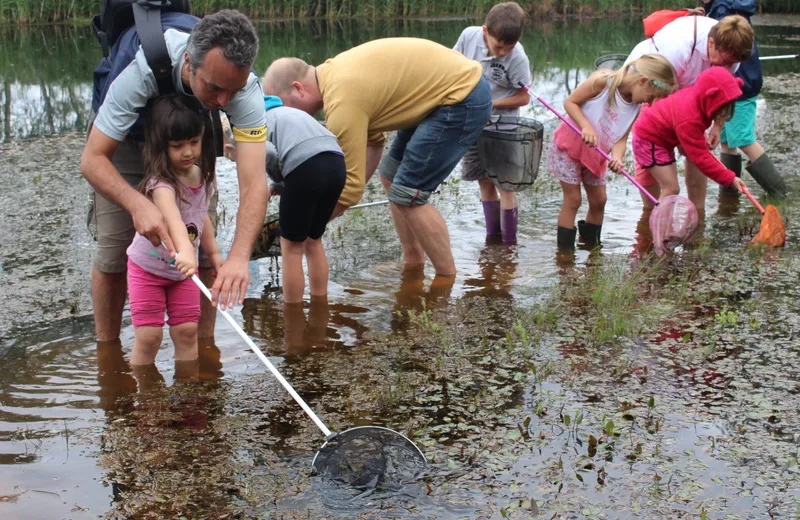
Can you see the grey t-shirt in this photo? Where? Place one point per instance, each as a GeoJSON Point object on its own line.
{"type": "Point", "coordinates": [130, 91]}
{"type": "Point", "coordinates": [294, 137]}
{"type": "Point", "coordinates": [503, 74]}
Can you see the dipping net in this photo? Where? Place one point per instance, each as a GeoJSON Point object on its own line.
{"type": "Point", "coordinates": [610, 61]}
{"type": "Point", "coordinates": [510, 149]}
{"type": "Point", "coordinates": [268, 243]}
{"type": "Point", "coordinates": [366, 459]}
{"type": "Point", "coordinates": [672, 222]}
{"type": "Point", "coordinates": [772, 231]}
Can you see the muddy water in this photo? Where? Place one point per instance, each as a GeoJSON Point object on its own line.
{"type": "Point", "coordinates": [481, 373]}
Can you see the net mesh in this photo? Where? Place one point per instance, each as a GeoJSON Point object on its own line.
{"type": "Point", "coordinates": [367, 459]}
{"type": "Point", "coordinates": [268, 243]}
{"type": "Point", "coordinates": [510, 149]}
{"type": "Point", "coordinates": [772, 231]}
{"type": "Point", "coordinates": [672, 222]}
{"type": "Point", "coordinates": [610, 61]}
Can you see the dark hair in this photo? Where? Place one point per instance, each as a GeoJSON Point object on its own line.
{"type": "Point", "coordinates": [176, 117]}
{"type": "Point", "coordinates": [504, 22]}
{"type": "Point", "coordinates": [727, 110]}
{"type": "Point", "coordinates": [229, 30]}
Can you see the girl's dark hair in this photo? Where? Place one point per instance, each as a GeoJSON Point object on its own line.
{"type": "Point", "coordinates": [176, 117]}
{"type": "Point", "coordinates": [725, 110]}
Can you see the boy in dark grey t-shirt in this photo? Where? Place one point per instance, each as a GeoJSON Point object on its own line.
{"type": "Point", "coordinates": [306, 157]}
{"type": "Point", "coordinates": [496, 46]}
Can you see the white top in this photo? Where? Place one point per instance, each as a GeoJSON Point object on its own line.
{"type": "Point", "coordinates": [610, 123]}
{"type": "Point", "coordinates": [503, 74]}
{"type": "Point", "coordinates": [675, 42]}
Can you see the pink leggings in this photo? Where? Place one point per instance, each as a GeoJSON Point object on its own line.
{"type": "Point", "coordinates": [150, 295]}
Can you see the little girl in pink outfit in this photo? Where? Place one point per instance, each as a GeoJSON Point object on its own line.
{"type": "Point", "coordinates": [179, 178]}
{"type": "Point", "coordinates": [604, 107]}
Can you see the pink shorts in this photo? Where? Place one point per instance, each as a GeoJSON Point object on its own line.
{"type": "Point", "coordinates": [646, 155]}
{"type": "Point", "coordinates": [150, 295]}
{"type": "Point", "coordinates": [568, 170]}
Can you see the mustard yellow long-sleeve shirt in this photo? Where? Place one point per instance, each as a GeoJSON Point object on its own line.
{"type": "Point", "coordinates": [384, 85]}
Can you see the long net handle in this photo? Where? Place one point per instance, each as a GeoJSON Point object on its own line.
{"type": "Point", "coordinates": [599, 150]}
{"type": "Point", "coordinates": [753, 200]}
{"type": "Point", "coordinates": [781, 57]}
{"type": "Point", "coordinates": [324, 429]}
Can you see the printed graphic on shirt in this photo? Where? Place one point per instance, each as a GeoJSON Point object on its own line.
{"type": "Point", "coordinates": [497, 72]}
{"type": "Point", "coordinates": [191, 229]}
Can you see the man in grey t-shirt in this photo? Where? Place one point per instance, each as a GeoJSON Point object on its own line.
{"type": "Point", "coordinates": [214, 65]}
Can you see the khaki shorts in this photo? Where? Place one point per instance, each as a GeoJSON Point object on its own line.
{"type": "Point", "coordinates": [112, 227]}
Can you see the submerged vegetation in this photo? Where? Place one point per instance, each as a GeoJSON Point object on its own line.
{"type": "Point", "coordinates": [54, 11]}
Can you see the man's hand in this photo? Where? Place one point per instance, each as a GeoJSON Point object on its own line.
{"type": "Point", "coordinates": [230, 286]}
{"type": "Point", "coordinates": [149, 222]}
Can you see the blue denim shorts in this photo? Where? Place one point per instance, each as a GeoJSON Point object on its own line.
{"type": "Point", "coordinates": [421, 157]}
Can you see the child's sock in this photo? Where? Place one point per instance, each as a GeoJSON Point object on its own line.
{"type": "Point", "coordinates": [510, 219]}
{"type": "Point", "coordinates": [491, 211]}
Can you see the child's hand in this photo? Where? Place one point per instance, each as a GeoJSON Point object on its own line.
{"type": "Point", "coordinates": [588, 136]}
{"type": "Point", "coordinates": [186, 264]}
{"type": "Point", "coordinates": [229, 151]}
{"type": "Point", "coordinates": [713, 137]}
{"type": "Point", "coordinates": [216, 262]}
{"type": "Point", "coordinates": [615, 165]}
{"type": "Point", "coordinates": [738, 184]}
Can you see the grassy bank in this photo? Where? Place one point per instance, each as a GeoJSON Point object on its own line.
{"type": "Point", "coordinates": [23, 12]}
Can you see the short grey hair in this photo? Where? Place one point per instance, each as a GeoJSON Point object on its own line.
{"type": "Point", "coordinates": [229, 30]}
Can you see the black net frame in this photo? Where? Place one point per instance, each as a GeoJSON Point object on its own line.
{"type": "Point", "coordinates": [510, 149]}
{"type": "Point", "coordinates": [610, 61]}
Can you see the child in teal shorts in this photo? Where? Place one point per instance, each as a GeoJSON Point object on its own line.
{"type": "Point", "coordinates": [740, 132]}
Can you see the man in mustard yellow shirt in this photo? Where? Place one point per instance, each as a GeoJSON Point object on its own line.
{"type": "Point", "coordinates": [437, 99]}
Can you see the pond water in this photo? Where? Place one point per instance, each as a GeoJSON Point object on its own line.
{"type": "Point", "coordinates": [481, 372]}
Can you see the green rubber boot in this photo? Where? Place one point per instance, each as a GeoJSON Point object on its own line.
{"type": "Point", "coordinates": [765, 174]}
{"type": "Point", "coordinates": [733, 162]}
{"type": "Point", "coordinates": [566, 238]}
{"type": "Point", "coordinates": [589, 233]}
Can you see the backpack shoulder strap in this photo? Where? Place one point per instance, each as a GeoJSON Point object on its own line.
{"type": "Point", "coordinates": [151, 36]}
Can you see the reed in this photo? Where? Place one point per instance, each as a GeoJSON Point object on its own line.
{"type": "Point", "coordinates": [26, 12]}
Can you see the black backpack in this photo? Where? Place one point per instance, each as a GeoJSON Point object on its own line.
{"type": "Point", "coordinates": [119, 15]}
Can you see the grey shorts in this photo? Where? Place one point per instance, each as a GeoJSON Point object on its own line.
{"type": "Point", "coordinates": [471, 167]}
{"type": "Point", "coordinates": [112, 226]}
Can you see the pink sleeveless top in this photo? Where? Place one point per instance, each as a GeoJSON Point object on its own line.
{"type": "Point", "coordinates": [193, 213]}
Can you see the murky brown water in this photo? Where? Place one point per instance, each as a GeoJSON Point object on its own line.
{"type": "Point", "coordinates": [82, 435]}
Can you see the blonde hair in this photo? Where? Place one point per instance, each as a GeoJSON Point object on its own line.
{"type": "Point", "coordinates": [658, 71]}
{"type": "Point", "coordinates": [733, 35]}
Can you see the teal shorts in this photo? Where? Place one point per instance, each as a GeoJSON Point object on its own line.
{"type": "Point", "coordinates": [741, 130]}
